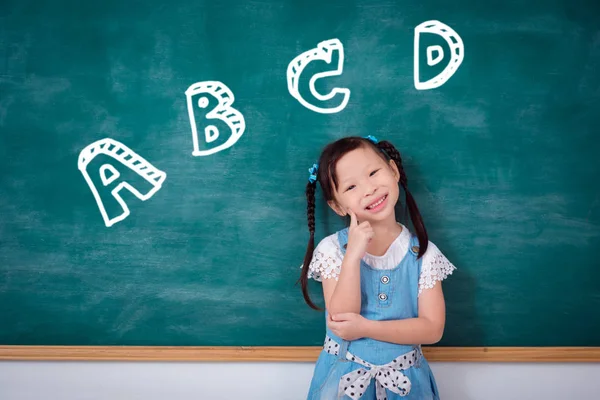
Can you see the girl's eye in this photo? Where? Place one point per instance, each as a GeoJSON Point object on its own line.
{"type": "Point", "coordinates": [350, 188]}
{"type": "Point", "coordinates": [374, 172]}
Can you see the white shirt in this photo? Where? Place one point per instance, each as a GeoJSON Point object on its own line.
{"type": "Point", "coordinates": [327, 260]}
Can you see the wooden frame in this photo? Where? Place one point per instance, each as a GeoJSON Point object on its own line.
{"type": "Point", "coordinates": [285, 354]}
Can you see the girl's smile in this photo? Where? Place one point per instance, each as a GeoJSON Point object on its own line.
{"type": "Point", "coordinates": [378, 204]}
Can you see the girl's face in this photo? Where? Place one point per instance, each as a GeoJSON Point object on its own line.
{"type": "Point", "coordinates": [367, 184]}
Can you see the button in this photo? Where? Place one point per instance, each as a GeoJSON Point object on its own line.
{"type": "Point", "coordinates": [382, 296]}
{"type": "Point", "coordinates": [385, 279]}
{"type": "Point", "coordinates": [415, 249]}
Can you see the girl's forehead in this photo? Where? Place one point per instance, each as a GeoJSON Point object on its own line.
{"type": "Point", "coordinates": [359, 155]}
{"type": "Point", "coordinates": [356, 161]}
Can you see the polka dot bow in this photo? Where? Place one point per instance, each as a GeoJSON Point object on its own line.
{"type": "Point", "coordinates": [388, 376]}
{"type": "Point", "coordinates": [355, 383]}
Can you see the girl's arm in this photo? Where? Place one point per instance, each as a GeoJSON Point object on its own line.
{"type": "Point", "coordinates": [343, 295]}
{"type": "Point", "coordinates": [427, 328]}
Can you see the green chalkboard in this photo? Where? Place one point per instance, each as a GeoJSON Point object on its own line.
{"type": "Point", "coordinates": [503, 158]}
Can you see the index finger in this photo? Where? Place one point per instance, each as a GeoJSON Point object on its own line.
{"type": "Point", "coordinates": [353, 221]}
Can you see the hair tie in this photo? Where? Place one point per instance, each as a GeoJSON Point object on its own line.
{"type": "Point", "coordinates": [371, 138]}
{"type": "Point", "coordinates": [312, 178]}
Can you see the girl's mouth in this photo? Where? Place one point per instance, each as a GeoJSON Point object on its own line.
{"type": "Point", "coordinates": [376, 206]}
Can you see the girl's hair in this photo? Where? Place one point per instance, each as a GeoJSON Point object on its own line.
{"type": "Point", "coordinates": [326, 175]}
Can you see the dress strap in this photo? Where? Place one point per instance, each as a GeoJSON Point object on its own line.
{"type": "Point", "coordinates": [343, 240]}
{"type": "Point", "coordinates": [414, 245]}
{"type": "Point", "coordinates": [414, 250]}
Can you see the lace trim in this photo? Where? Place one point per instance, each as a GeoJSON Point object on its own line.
{"type": "Point", "coordinates": [327, 261]}
{"type": "Point", "coordinates": [434, 271]}
{"type": "Point", "coordinates": [394, 254]}
{"type": "Point", "coordinates": [324, 266]}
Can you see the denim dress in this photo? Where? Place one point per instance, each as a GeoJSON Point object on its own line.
{"type": "Point", "coordinates": [369, 369]}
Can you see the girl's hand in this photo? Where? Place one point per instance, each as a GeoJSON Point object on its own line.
{"type": "Point", "coordinates": [359, 236]}
{"type": "Point", "coordinates": [348, 326]}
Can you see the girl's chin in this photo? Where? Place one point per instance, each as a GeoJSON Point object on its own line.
{"type": "Point", "coordinates": [382, 217]}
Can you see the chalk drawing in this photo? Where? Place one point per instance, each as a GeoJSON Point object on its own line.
{"type": "Point", "coordinates": [198, 100]}
{"type": "Point", "coordinates": [122, 156]}
{"type": "Point", "coordinates": [324, 51]}
{"type": "Point", "coordinates": [457, 53]}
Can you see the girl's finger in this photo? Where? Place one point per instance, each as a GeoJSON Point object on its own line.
{"type": "Point", "coordinates": [365, 224]}
{"type": "Point", "coordinates": [353, 221]}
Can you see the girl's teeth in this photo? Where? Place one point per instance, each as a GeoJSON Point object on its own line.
{"type": "Point", "coordinates": [376, 204]}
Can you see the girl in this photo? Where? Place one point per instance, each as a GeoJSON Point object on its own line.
{"type": "Point", "coordinates": [381, 283]}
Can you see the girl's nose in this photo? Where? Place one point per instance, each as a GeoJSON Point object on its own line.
{"type": "Point", "coordinates": [369, 190]}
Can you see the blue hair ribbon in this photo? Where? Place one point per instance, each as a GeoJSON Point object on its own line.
{"type": "Point", "coordinates": [371, 138]}
{"type": "Point", "coordinates": [312, 178]}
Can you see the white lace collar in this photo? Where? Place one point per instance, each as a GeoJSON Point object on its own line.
{"type": "Point", "coordinates": [393, 255]}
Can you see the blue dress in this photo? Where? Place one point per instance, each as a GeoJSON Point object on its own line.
{"type": "Point", "coordinates": [369, 369]}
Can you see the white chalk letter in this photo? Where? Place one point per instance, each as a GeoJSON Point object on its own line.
{"type": "Point", "coordinates": [212, 100]}
{"type": "Point", "coordinates": [117, 155]}
{"type": "Point", "coordinates": [324, 52]}
{"type": "Point", "coordinates": [457, 53]}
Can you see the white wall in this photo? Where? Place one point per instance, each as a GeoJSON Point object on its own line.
{"type": "Point", "coordinates": [278, 381]}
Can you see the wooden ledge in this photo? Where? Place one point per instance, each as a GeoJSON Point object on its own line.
{"type": "Point", "coordinates": [285, 354]}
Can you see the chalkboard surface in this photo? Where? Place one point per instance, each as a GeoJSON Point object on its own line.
{"type": "Point", "coordinates": [125, 219]}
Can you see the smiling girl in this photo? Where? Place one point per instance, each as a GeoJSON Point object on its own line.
{"type": "Point", "coordinates": [381, 283]}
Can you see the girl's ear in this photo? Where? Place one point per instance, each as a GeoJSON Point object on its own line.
{"type": "Point", "coordinates": [394, 168]}
{"type": "Point", "coordinates": [337, 208]}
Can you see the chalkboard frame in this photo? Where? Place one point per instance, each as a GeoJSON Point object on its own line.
{"type": "Point", "coordinates": [285, 353]}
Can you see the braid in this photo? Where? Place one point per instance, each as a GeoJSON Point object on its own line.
{"type": "Point", "coordinates": [394, 154]}
{"type": "Point", "coordinates": [415, 216]}
{"type": "Point", "coordinates": [310, 213]}
{"type": "Point", "coordinates": [310, 206]}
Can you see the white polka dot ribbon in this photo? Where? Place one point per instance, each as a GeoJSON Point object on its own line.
{"type": "Point", "coordinates": [388, 376]}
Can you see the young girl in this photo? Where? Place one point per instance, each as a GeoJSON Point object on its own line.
{"type": "Point", "coordinates": [381, 283]}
